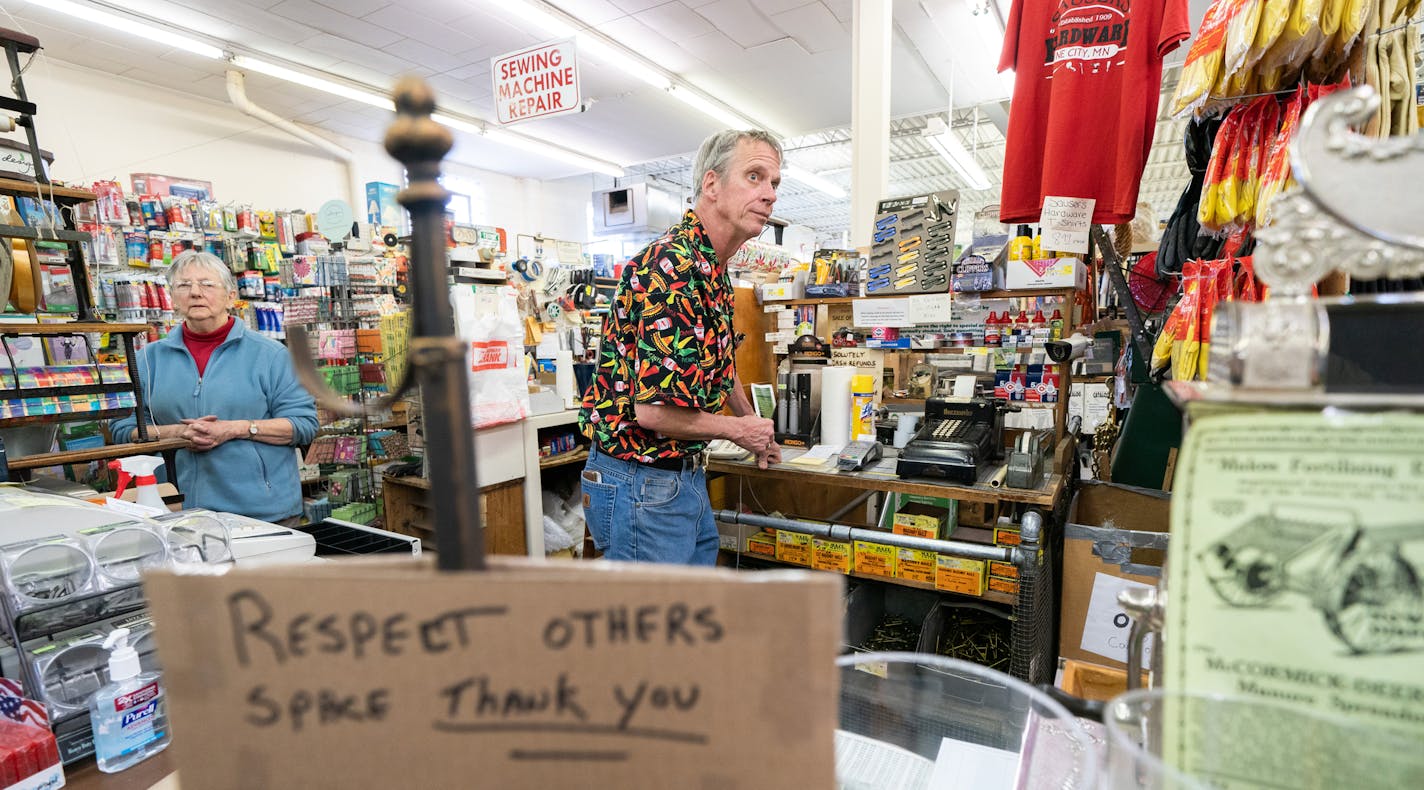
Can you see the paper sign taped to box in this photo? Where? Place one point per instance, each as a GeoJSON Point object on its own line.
{"type": "Point", "coordinates": [389, 674]}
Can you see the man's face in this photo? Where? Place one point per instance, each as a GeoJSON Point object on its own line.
{"type": "Point", "coordinates": [744, 198]}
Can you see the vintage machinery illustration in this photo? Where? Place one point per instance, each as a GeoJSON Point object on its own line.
{"type": "Point", "coordinates": [1355, 574]}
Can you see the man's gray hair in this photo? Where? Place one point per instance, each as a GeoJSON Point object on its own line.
{"type": "Point", "coordinates": [716, 151]}
{"type": "Point", "coordinates": [190, 259]}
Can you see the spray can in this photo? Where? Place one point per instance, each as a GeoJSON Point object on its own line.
{"type": "Point", "coordinates": [862, 407]}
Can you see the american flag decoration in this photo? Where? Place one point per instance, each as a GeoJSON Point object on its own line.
{"type": "Point", "coordinates": [16, 707]}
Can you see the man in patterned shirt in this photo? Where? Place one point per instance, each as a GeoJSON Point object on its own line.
{"type": "Point", "coordinates": [667, 367]}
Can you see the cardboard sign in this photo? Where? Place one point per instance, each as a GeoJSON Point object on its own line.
{"type": "Point", "coordinates": [1066, 222]}
{"type": "Point", "coordinates": [537, 82]}
{"type": "Point", "coordinates": [530, 674]}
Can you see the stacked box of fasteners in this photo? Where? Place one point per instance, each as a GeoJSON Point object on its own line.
{"type": "Point", "coordinates": [913, 245]}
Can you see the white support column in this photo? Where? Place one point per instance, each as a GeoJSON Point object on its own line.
{"type": "Point", "coordinates": [871, 41]}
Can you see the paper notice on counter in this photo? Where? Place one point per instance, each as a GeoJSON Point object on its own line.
{"type": "Point", "coordinates": [863, 762]}
{"type": "Point", "coordinates": [1106, 626]}
{"type": "Point", "coordinates": [930, 309]}
{"type": "Point", "coordinates": [1296, 553]}
{"type": "Point", "coordinates": [961, 765]}
{"type": "Point", "coordinates": [1066, 222]}
{"type": "Point", "coordinates": [868, 313]}
{"type": "Point", "coordinates": [820, 455]}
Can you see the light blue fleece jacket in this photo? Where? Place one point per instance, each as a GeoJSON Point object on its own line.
{"type": "Point", "coordinates": [248, 377]}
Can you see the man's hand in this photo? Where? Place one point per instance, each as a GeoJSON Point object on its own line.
{"type": "Point", "coordinates": [772, 455]}
{"type": "Point", "coordinates": [755, 435]}
{"type": "Point", "coordinates": [205, 433]}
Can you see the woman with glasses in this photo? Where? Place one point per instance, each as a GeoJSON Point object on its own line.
{"type": "Point", "coordinates": [231, 393]}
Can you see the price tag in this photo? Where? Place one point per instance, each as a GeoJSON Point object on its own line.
{"type": "Point", "coordinates": [1066, 222]}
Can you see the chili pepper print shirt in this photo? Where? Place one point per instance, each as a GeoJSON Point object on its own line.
{"type": "Point", "coordinates": [667, 340]}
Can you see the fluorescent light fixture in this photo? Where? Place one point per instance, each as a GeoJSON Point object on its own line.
{"type": "Point", "coordinates": [310, 81]}
{"type": "Point", "coordinates": [941, 138]}
{"type": "Point", "coordinates": [132, 27]}
{"type": "Point", "coordinates": [552, 151]}
{"type": "Point", "coordinates": [457, 124]}
{"type": "Point", "coordinates": [812, 180]}
{"type": "Point", "coordinates": [615, 55]}
{"type": "Point", "coordinates": [710, 108]}
{"type": "Point", "coordinates": [538, 14]}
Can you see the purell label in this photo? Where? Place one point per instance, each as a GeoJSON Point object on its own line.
{"type": "Point", "coordinates": [136, 697]}
{"type": "Point", "coordinates": [139, 714]}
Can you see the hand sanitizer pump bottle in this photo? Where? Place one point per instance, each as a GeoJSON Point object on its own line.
{"type": "Point", "coordinates": [128, 714]}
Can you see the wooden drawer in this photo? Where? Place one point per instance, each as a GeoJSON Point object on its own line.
{"type": "Point", "coordinates": [408, 512]}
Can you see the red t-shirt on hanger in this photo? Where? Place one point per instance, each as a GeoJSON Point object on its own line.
{"type": "Point", "coordinates": [1086, 84]}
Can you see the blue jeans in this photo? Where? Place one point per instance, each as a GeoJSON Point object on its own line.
{"type": "Point", "coordinates": [640, 513]}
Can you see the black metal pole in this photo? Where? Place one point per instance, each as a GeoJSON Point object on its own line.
{"type": "Point", "coordinates": [437, 354]}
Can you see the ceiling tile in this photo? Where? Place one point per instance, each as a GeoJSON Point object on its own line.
{"type": "Point", "coordinates": [590, 12]}
{"type": "Point", "coordinates": [496, 36]}
{"type": "Point", "coordinates": [843, 9]}
{"type": "Point", "coordinates": [474, 69]}
{"type": "Point", "coordinates": [422, 28]}
{"type": "Point", "coordinates": [740, 20]}
{"type": "Point", "coordinates": [634, 6]}
{"type": "Point", "coordinates": [814, 27]}
{"type": "Point", "coordinates": [673, 20]}
{"type": "Point", "coordinates": [327, 20]}
{"type": "Point", "coordinates": [355, 53]}
{"type": "Point", "coordinates": [357, 7]}
{"type": "Point", "coordinates": [714, 48]}
{"type": "Point", "coordinates": [253, 18]}
{"type": "Point", "coordinates": [427, 57]}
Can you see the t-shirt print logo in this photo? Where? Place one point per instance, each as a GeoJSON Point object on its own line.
{"type": "Point", "coordinates": [1087, 36]}
{"type": "Point", "coordinates": [489, 355]}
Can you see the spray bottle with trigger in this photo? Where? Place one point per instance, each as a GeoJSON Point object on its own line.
{"type": "Point", "coordinates": [140, 469]}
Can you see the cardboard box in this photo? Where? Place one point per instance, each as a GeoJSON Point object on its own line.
{"type": "Point", "coordinates": [1086, 680]}
{"type": "Point", "coordinates": [916, 505]}
{"type": "Point", "coordinates": [977, 514]}
{"type": "Point", "coordinates": [920, 520]}
{"type": "Point", "coordinates": [875, 559]}
{"type": "Point", "coordinates": [1113, 532]}
{"type": "Point", "coordinates": [793, 547]}
{"type": "Point", "coordinates": [783, 290]}
{"type": "Point", "coordinates": [310, 667]}
{"type": "Point", "coordinates": [1005, 536]}
{"type": "Point", "coordinates": [1047, 273]}
{"type": "Point", "coordinates": [381, 206]}
{"type": "Point", "coordinates": [832, 555]}
{"type": "Point", "coordinates": [957, 574]}
{"type": "Point", "coordinates": [915, 565]}
{"type": "Point", "coordinates": [1006, 586]}
{"type": "Point", "coordinates": [763, 544]}
{"type": "Point", "coordinates": [1004, 570]}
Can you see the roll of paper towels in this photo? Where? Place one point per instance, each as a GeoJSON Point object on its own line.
{"type": "Point", "coordinates": [564, 376]}
{"type": "Point", "coordinates": [835, 404]}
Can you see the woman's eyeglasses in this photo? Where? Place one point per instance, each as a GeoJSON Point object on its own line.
{"type": "Point", "coordinates": [185, 286]}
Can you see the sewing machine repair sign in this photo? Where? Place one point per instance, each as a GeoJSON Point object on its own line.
{"type": "Point", "coordinates": [1295, 565]}
{"type": "Point", "coordinates": [537, 82]}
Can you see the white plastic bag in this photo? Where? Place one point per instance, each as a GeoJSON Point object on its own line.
{"type": "Point", "coordinates": [487, 317]}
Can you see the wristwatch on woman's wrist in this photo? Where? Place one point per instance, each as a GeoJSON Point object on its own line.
{"type": "Point", "coordinates": [252, 429]}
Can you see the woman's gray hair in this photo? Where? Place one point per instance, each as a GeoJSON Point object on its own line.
{"type": "Point", "coordinates": [202, 260]}
{"type": "Point", "coordinates": [716, 151]}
